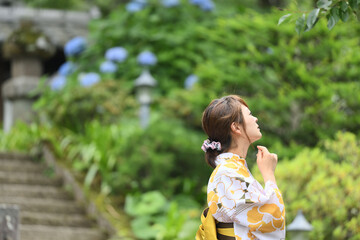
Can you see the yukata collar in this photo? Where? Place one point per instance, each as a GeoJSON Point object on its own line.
{"type": "Point", "coordinates": [221, 158]}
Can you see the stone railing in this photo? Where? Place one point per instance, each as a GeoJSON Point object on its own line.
{"type": "Point", "coordinates": [59, 25]}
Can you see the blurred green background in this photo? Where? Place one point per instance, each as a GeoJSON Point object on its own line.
{"type": "Point", "coordinates": [303, 89]}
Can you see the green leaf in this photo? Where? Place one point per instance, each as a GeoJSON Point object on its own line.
{"type": "Point", "coordinates": [91, 175]}
{"type": "Point", "coordinates": [343, 6]}
{"type": "Point", "coordinates": [147, 204]}
{"type": "Point", "coordinates": [331, 22]}
{"type": "Point", "coordinates": [312, 17]}
{"type": "Point", "coordinates": [344, 16]}
{"type": "Point", "coordinates": [283, 18]}
{"type": "Point", "coordinates": [335, 12]}
{"type": "Point", "coordinates": [324, 4]}
{"type": "Point", "coordinates": [354, 4]}
{"type": "Point", "coordinates": [144, 227]}
{"type": "Point", "coordinates": [300, 24]}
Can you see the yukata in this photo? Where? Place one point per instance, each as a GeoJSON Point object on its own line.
{"type": "Point", "coordinates": [234, 196]}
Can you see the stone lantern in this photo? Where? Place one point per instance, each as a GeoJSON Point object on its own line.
{"type": "Point", "coordinates": [144, 85]}
{"type": "Point", "coordinates": [299, 229]}
{"type": "Point", "coordinates": [26, 47]}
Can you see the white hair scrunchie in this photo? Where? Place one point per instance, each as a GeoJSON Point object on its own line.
{"type": "Point", "coordinates": [211, 145]}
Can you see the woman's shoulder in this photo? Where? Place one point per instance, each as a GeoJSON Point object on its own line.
{"type": "Point", "coordinates": [230, 165]}
{"type": "Point", "coordinates": [230, 162]}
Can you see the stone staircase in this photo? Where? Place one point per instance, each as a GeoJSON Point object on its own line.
{"type": "Point", "coordinates": [47, 210]}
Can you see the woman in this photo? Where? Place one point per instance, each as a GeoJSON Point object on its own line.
{"type": "Point", "coordinates": [239, 207]}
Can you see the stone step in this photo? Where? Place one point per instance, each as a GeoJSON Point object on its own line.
{"type": "Point", "coordinates": [43, 205]}
{"type": "Point", "coordinates": [14, 165]}
{"type": "Point", "coordinates": [47, 211]}
{"type": "Point", "coordinates": [39, 232]}
{"type": "Point", "coordinates": [33, 191]}
{"type": "Point", "coordinates": [28, 178]}
{"type": "Point", "coordinates": [16, 156]}
{"type": "Point", "coordinates": [55, 219]}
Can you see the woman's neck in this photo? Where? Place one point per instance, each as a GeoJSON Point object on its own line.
{"type": "Point", "coordinates": [240, 148]}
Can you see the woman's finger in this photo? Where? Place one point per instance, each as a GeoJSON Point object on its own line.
{"type": "Point", "coordinates": [264, 149]}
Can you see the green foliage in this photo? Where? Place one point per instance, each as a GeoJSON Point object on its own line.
{"type": "Point", "coordinates": [156, 218]}
{"type": "Point", "coordinates": [26, 138]}
{"type": "Point", "coordinates": [59, 4]}
{"type": "Point", "coordinates": [123, 158]}
{"type": "Point", "coordinates": [326, 190]}
{"type": "Point", "coordinates": [332, 10]}
{"type": "Point", "coordinates": [301, 89]}
{"type": "Point", "coordinates": [95, 152]}
{"type": "Point", "coordinates": [74, 106]}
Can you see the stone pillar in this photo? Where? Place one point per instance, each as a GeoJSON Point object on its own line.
{"type": "Point", "coordinates": [16, 91]}
{"type": "Point", "coordinates": [9, 222]}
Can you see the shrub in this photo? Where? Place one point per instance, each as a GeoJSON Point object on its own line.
{"type": "Point", "coordinates": [122, 158]}
{"type": "Point", "coordinates": [157, 218]}
{"type": "Point", "coordinates": [326, 190]}
{"type": "Point", "coordinates": [75, 105]}
{"type": "Point", "coordinates": [26, 138]}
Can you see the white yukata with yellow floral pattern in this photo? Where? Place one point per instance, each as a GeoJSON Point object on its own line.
{"type": "Point", "coordinates": [235, 196]}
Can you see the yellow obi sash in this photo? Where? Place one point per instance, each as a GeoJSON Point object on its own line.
{"type": "Point", "coordinates": [210, 229]}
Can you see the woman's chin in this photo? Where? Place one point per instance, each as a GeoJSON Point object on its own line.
{"type": "Point", "coordinates": [256, 138]}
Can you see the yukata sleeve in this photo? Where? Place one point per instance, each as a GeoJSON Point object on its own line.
{"type": "Point", "coordinates": [242, 200]}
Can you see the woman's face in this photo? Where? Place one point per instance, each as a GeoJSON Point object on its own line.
{"type": "Point", "coordinates": [252, 128]}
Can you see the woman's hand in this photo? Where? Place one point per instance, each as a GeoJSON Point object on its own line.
{"type": "Point", "coordinates": [266, 162]}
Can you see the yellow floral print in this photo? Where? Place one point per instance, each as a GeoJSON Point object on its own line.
{"type": "Point", "coordinates": [238, 165]}
{"type": "Point", "coordinates": [251, 237]}
{"type": "Point", "coordinates": [237, 237]}
{"type": "Point", "coordinates": [266, 218]}
{"type": "Point", "coordinates": [278, 194]}
{"type": "Point", "coordinates": [213, 199]}
{"type": "Point", "coordinates": [235, 196]}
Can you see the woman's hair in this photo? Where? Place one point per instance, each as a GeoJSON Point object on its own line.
{"type": "Point", "coordinates": [216, 122]}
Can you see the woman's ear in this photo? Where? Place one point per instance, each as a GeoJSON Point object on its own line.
{"type": "Point", "coordinates": [236, 128]}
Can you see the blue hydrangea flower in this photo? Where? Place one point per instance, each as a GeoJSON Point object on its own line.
{"type": "Point", "coordinates": [108, 67]}
{"type": "Point", "coordinates": [89, 79]}
{"type": "Point", "coordinates": [75, 46]}
{"type": "Point", "coordinates": [147, 58]}
{"type": "Point", "coordinates": [134, 7]}
{"type": "Point", "coordinates": [190, 81]}
{"type": "Point", "coordinates": [196, 2]}
{"type": "Point", "coordinates": [116, 54]}
{"type": "Point", "coordinates": [170, 3]}
{"type": "Point", "coordinates": [67, 68]}
{"type": "Point", "coordinates": [207, 5]}
{"type": "Point", "coordinates": [58, 83]}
